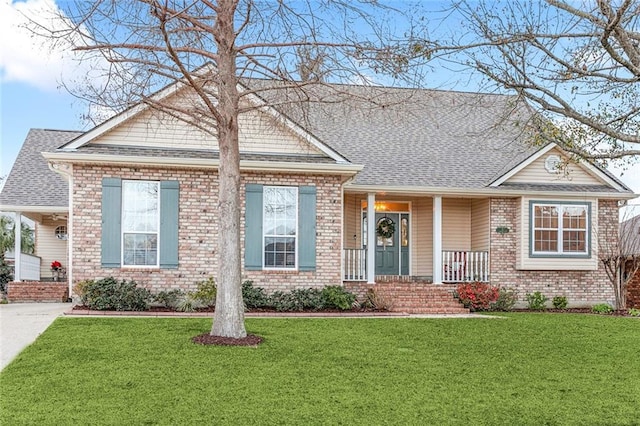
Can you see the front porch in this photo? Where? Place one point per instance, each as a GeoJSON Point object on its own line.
{"type": "Point", "coordinates": [435, 238]}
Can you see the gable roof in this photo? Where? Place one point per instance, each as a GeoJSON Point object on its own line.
{"type": "Point", "coordinates": [395, 139]}
{"type": "Point", "coordinates": [630, 236]}
{"type": "Point", "coordinates": [31, 184]}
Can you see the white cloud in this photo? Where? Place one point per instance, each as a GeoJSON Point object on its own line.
{"type": "Point", "coordinates": [27, 58]}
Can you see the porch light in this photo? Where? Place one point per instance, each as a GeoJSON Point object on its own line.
{"type": "Point", "coordinates": [379, 207]}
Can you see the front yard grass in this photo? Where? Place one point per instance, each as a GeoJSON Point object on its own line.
{"type": "Point", "coordinates": [523, 369]}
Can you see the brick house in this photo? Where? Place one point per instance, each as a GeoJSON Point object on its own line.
{"type": "Point", "coordinates": [630, 248]}
{"type": "Point", "coordinates": [456, 192]}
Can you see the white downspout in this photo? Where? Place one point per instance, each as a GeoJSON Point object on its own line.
{"type": "Point", "coordinates": [17, 246]}
{"type": "Point", "coordinates": [437, 239]}
{"type": "Point", "coordinates": [371, 238]}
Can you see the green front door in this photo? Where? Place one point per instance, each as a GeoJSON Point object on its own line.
{"type": "Point", "coordinates": [387, 249]}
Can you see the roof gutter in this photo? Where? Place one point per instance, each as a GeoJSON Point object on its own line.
{"type": "Point", "coordinates": [202, 163]}
{"type": "Point", "coordinates": [466, 192]}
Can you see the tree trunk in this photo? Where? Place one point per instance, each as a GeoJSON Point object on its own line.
{"type": "Point", "coordinates": [228, 319]}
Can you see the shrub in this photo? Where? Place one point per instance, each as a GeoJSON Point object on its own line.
{"type": "Point", "coordinates": [206, 292]}
{"type": "Point", "coordinates": [254, 297]}
{"type": "Point", "coordinates": [506, 300]}
{"type": "Point", "coordinates": [559, 302]}
{"type": "Point", "coordinates": [634, 312]}
{"type": "Point", "coordinates": [110, 294]}
{"type": "Point", "coordinates": [5, 274]}
{"type": "Point", "coordinates": [477, 296]}
{"type": "Point", "coordinates": [537, 301]}
{"type": "Point", "coordinates": [284, 302]}
{"type": "Point", "coordinates": [336, 297]}
{"type": "Point", "coordinates": [376, 300]}
{"type": "Point", "coordinates": [308, 298]}
{"type": "Point", "coordinates": [188, 303]}
{"type": "Point", "coordinates": [602, 308]}
{"type": "Point", "coordinates": [169, 298]}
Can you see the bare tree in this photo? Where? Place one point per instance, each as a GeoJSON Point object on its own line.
{"type": "Point", "coordinates": [212, 49]}
{"type": "Point", "coordinates": [577, 63]}
{"type": "Point", "coordinates": [621, 258]}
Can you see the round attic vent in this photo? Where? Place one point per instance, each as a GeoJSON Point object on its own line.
{"type": "Point", "coordinates": [551, 163]}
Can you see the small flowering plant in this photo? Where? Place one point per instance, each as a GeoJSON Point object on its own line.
{"type": "Point", "coordinates": [477, 296]}
{"type": "Point", "coordinates": [55, 265]}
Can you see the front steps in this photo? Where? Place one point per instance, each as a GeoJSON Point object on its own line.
{"type": "Point", "coordinates": [418, 298]}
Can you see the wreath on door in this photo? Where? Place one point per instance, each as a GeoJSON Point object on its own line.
{"type": "Point", "coordinates": [386, 228]}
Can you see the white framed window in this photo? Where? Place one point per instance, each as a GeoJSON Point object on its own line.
{"type": "Point", "coordinates": [560, 229]}
{"type": "Point", "coordinates": [280, 227]}
{"type": "Point", "coordinates": [140, 223]}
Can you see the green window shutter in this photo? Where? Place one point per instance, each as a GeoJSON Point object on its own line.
{"type": "Point", "coordinates": [169, 202]}
{"type": "Point", "coordinates": [307, 228]}
{"type": "Point", "coordinates": [253, 245]}
{"type": "Point", "coordinates": [111, 216]}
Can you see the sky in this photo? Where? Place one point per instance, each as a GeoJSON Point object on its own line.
{"type": "Point", "coordinates": [31, 95]}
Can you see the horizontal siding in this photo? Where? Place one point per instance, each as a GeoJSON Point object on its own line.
{"type": "Point", "coordinates": [456, 224]}
{"type": "Point", "coordinates": [480, 224]}
{"type": "Point", "coordinates": [527, 263]}
{"type": "Point", "coordinates": [258, 132]}
{"type": "Point", "coordinates": [422, 237]}
{"type": "Point", "coordinates": [50, 248]}
{"type": "Point", "coordinates": [536, 173]}
{"type": "Point", "coordinates": [352, 215]}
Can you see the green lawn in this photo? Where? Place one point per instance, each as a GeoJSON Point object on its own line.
{"type": "Point", "coordinates": [525, 369]}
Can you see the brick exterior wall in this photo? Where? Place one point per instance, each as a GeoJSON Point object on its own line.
{"type": "Point", "coordinates": [198, 227]}
{"type": "Point", "coordinates": [633, 291]}
{"type": "Point", "coordinates": [582, 288]}
{"type": "Point", "coordinates": [36, 291]}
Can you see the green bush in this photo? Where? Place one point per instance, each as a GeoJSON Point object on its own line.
{"type": "Point", "coordinates": [206, 292]}
{"type": "Point", "coordinates": [336, 297]}
{"type": "Point", "coordinates": [537, 301]}
{"type": "Point", "coordinates": [560, 302]}
{"type": "Point", "coordinates": [634, 312]}
{"type": "Point", "coordinates": [602, 308]}
{"type": "Point", "coordinates": [506, 300]}
{"type": "Point", "coordinates": [108, 294]}
{"type": "Point", "coordinates": [284, 302]}
{"type": "Point", "coordinates": [5, 274]}
{"type": "Point", "coordinates": [254, 297]}
{"type": "Point", "coordinates": [168, 298]}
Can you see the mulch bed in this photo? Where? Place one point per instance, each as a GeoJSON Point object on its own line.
{"type": "Point", "coordinates": [207, 339]}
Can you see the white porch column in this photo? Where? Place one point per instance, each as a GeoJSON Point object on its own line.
{"type": "Point", "coordinates": [371, 238]}
{"type": "Point", "coordinates": [437, 239]}
{"type": "Point", "coordinates": [17, 246]}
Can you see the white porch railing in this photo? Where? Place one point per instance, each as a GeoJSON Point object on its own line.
{"type": "Point", "coordinates": [354, 264]}
{"type": "Point", "coordinates": [465, 266]}
{"type": "Point", "coordinates": [29, 266]}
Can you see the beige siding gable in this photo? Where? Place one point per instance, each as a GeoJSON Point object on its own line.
{"type": "Point", "coordinates": [574, 173]}
{"type": "Point", "coordinates": [259, 132]}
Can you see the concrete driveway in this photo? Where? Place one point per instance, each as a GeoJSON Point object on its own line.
{"type": "Point", "coordinates": [22, 323]}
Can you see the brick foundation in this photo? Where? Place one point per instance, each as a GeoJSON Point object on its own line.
{"type": "Point", "coordinates": [36, 291]}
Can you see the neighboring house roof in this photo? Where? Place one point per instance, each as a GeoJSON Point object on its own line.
{"type": "Point", "coordinates": [31, 183]}
{"type": "Point", "coordinates": [630, 236]}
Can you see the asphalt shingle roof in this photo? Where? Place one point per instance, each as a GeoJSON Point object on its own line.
{"type": "Point", "coordinates": [31, 182]}
{"type": "Point", "coordinates": [416, 138]}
